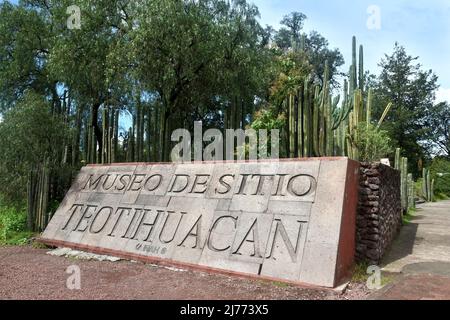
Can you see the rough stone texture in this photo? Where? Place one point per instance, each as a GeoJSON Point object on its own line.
{"type": "Point", "coordinates": [379, 217]}
{"type": "Point", "coordinates": [289, 220]}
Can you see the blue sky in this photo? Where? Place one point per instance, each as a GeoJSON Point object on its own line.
{"type": "Point", "coordinates": [422, 26]}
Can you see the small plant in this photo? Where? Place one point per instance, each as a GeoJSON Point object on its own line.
{"type": "Point", "coordinates": [13, 226]}
{"type": "Point", "coordinates": [440, 172]}
{"type": "Point", "coordinates": [280, 284]}
{"type": "Point", "coordinates": [441, 197]}
{"type": "Point", "coordinates": [407, 218]}
{"type": "Point", "coordinates": [371, 142]}
{"type": "Point", "coordinates": [269, 119]}
{"type": "Point", "coordinates": [360, 272]}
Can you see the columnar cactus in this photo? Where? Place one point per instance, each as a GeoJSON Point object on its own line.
{"type": "Point", "coordinates": [404, 183]}
{"type": "Point", "coordinates": [361, 68]}
{"type": "Point", "coordinates": [316, 125]}
{"type": "Point", "coordinates": [411, 193]}
{"type": "Point", "coordinates": [397, 159]}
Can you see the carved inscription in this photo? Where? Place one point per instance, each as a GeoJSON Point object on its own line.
{"type": "Point", "coordinates": [154, 229]}
{"type": "Point", "coordinates": [298, 185]}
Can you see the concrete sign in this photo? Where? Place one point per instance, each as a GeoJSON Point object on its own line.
{"type": "Point", "coordinates": [288, 220]}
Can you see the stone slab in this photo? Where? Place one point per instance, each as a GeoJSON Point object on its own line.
{"type": "Point", "coordinates": [289, 220]}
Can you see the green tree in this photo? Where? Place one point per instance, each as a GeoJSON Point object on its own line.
{"type": "Point", "coordinates": [292, 69]}
{"type": "Point", "coordinates": [84, 60]}
{"type": "Point", "coordinates": [194, 53]}
{"type": "Point", "coordinates": [440, 171]}
{"type": "Point", "coordinates": [319, 53]}
{"type": "Point", "coordinates": [437, 124]}
{"type": "Point", "coordinates": [412, 91]}
{"type": "Point", "coordinates": [315, 45]}
{"type": "Point", "coordinates": [290, 33]}
{"type": "Point", "coordinates": [24, 48]}
{"type": "Point", "coordinates": [31, 135]}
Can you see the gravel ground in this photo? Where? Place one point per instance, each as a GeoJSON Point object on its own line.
{"type": "Point", "coordinates": [29, 273]}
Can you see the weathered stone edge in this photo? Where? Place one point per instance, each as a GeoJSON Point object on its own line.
{"type": "Point", "coordinates": [172, 263]}
{"type": "Point", "coordinates": [347, 240]}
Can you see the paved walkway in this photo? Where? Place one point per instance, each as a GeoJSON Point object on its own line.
{"type": "Point", "coordinates": [421, 253]}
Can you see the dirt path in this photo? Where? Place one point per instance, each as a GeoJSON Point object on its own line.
{"type": "Point", "coordinates": [421, 254]}
{"type": "Point", "coordinates": [28, 273]}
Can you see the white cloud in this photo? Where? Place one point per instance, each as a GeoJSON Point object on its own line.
{"type": "Point", "coordinates": [442, 95]}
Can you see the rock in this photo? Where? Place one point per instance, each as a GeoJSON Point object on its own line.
{"type": "Point", "coordinates": [67, 252]}
{"type": "Point", "coordinates": [59, 252]}
{"type": "Point", "coordinates": [374, 180]}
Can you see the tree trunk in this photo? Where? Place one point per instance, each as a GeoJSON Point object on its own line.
{"type": "Point", "coordinates": [149, 133]}
{"type": "Point", "coordinates": [97, 130]}
{"type": "Point", "coordinates": [76, 138]}
{"type": "Point", "coordinates": [55, 99]}
{"type": "Point", "coordinates": [156, 146]}
{"type": "Point", "coordinates": [138, 129]}
{"type": "Point", "coordinates": [116, 136]}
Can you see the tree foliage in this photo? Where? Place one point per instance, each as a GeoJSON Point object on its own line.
{"type": "Point", "coordinates": [24, 44]}
{"type": "Point", "coordinates": [31, 135]}
{"type": "Point", "coordinates": [437, 124]}
{"type": "Point", "coordinates": [440, 170]}
{"type": "Point", "coordinates": [315, 45]}
{"type": "Point", "coordinates": [412, 91]}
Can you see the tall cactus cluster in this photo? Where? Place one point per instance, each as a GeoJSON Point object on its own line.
{"type": "Point", "coordinates": [407, 191]}
{"type": "Point", "coordinates": [427, 185]}
{"type": "Point", "coordinates": [37, 197]}
{"type": "Point", "coordinates": [317, 125]}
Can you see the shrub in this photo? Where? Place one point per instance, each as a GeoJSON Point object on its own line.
{"type": "Point", "coordinates": [440, 171]}
{"type": "Point", "coordinates": [372, 143]}
{"type": "Point", "coordinates": [13, 224]}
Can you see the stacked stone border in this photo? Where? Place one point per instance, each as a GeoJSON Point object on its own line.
{"type": "Point", "coordinates": [379, 216]}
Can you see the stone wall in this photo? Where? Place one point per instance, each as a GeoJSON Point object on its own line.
{"type": "Point", "coordinates": [379, 216]}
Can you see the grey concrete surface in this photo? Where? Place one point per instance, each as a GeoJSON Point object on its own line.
{"type": "Point", "coordinates": [423, 246]}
